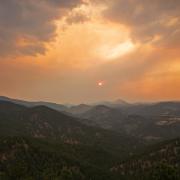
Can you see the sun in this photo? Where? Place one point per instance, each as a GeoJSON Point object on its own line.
{"type": "Point", "coordinates": [100, 83]}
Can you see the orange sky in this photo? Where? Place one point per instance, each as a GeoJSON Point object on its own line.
{"type": "Point", "coordinates": [61, 50]}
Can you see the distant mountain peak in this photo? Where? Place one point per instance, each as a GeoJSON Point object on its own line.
{"type": "Point", "coordinates": [4, 98]}
{"type": "Point", "coordinates": [102, 107]}
{"type": "Point", "coordinates": [55, 106]}
{"type": "Point", "coordinates": [120, 101]}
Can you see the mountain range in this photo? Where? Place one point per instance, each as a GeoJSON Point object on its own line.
{"type": "Point", "coordinates": [38, 140]}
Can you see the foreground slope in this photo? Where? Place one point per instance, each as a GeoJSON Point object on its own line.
{"type": "Point", "coordinates": [157, 162]}
{"type": "Point", "coordinates": [29, 158]}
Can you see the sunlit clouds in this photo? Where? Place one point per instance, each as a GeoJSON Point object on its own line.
{"type": "Point", "coordinates": [113, 51]}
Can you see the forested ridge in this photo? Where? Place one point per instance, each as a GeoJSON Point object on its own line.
{"type": "Point", "coordinates": [40, 143]}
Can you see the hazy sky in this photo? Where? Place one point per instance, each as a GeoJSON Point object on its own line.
{"type": "Point", "coordinates": [79, 51]}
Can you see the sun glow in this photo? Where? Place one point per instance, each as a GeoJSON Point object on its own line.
{"type": "Point", "coordinates": [91, 42]}
{"type": "Point", "coordinates": [114, 51]}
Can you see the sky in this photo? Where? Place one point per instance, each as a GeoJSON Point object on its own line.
{"type": "Point", "coordinates": [79, 51]}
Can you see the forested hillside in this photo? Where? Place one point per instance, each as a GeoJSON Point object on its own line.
{"type": "Point", "coordinates": [42, 143]}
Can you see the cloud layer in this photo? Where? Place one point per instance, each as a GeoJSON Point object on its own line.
{"type": "Point", "coordinates": [133, 46]}
{"type": "Point", "coordinates": [155, 21]}
{"type": "Point", "coordinates": [25, 26]}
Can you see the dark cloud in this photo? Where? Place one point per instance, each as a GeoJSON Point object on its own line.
{"type": "Point", "coordinates": [77, 17]}
{"type": "Point", "coordinates": [26, 25]}
{"type": "Point", "coordinates": [157, 21]}
{"type": "Point", "coordinates": [64, 3]}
